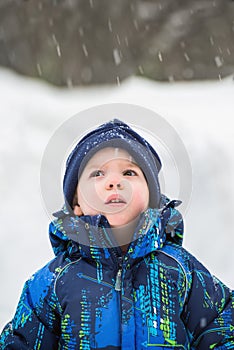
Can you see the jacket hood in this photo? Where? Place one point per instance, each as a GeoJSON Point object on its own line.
{"type": "Point", "coordinates": [118, 135]}
{"type": "Point", "coordinates": [91, 237]}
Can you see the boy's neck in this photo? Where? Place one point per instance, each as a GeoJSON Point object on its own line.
{"type": "Point", "coordinates": [123, 234]}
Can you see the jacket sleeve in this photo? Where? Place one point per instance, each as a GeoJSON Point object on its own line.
{"type": "Point", "coordinates": [36, 321]}
{"type": "Point", "coordinates": [209, 311]}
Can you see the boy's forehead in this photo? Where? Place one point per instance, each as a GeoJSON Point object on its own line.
{"type": "Point", "coordinates": [110, 153]}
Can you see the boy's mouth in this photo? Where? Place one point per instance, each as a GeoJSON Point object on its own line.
{"type": "Point", "coordinates": [115, 199]}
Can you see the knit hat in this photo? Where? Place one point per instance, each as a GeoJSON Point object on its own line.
{"type": "Point", "coordinates": [113, 134]}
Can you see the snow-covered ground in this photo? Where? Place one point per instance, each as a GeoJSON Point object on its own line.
{"type": "Point", "coordinates": [31, 111]}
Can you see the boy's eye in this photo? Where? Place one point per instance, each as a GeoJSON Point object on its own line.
{"type": "Point", "coordinates": [97, 173]}
{"type": "Point", "coordinates": [129, 172]}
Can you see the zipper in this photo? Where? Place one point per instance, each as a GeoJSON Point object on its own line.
{"type": "Point", "coordinates": [118, 279]}
{"type": "Point", "coordinates": [117, 254]}
{"type": "Point", "coordinates": [118, 286]}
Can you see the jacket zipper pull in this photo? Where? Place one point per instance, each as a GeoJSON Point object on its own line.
{"type": "Point", "coordinates": [118, 280]}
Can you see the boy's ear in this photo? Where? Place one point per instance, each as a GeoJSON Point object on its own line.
{"type": "Point", "coordinates": [77, 210]}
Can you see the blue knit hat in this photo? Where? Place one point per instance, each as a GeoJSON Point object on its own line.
{"type": "Point", "coordinates": [113, 134]}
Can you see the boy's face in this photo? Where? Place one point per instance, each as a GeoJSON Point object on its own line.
{"type": "Point", "coordinates": [112, 185]}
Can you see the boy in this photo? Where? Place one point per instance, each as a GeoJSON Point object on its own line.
{"type": "Point", "coordinates": [120, 279]}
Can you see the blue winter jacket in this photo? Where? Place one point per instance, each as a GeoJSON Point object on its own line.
{"type": "Point", "coordinates": [156, 296]}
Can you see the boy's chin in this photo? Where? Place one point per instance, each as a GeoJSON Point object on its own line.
{"type": "Point", "coordinates": [118, 221]}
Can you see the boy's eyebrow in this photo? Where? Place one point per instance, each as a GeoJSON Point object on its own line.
{"type": "Point", "coordinates": [132, 163]}
{"type": "Point", "coordinates": [98, 165]}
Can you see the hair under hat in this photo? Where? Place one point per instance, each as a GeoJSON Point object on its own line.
{"type": "Point", "coordinates": [113, 134]}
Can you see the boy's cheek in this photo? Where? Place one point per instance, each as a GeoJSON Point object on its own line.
{"type": "Point", "coordinates": [141, 198]}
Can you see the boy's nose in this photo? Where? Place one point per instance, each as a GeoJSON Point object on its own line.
{"type": "Point", "coordinates": [111, 185]}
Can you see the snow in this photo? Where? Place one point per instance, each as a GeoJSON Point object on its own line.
{"type": "Point", "coordinates": [31, 111]}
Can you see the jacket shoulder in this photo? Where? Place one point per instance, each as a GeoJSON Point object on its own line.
{"type": "Point", "coordinates": [208, 310]}
{"type": "Point", "coordinates": [41, 285]}
{"type": "Point", "coordinates": [197, 275]}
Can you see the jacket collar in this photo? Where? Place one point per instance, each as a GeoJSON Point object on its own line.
{"type": "Point", "coordinates": [91, 236]}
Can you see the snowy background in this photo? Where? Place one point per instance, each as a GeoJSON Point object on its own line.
{"type": "Point", "coordinates": [31, 111]}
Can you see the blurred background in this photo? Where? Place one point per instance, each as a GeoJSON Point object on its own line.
{"type": "Point", "coordinates": [86, 42]}
{"type": "Point", "coordinates": [58, 58]}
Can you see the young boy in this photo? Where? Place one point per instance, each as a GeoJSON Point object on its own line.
{"type": "Point", "coordinates": [120, 278]}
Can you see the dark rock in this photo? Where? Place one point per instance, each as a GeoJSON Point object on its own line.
{"type": "Point", "coordinates": [83, 42]}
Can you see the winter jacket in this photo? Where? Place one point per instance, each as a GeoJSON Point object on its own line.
{"type": "Point", "coordinates": [156, 296]}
